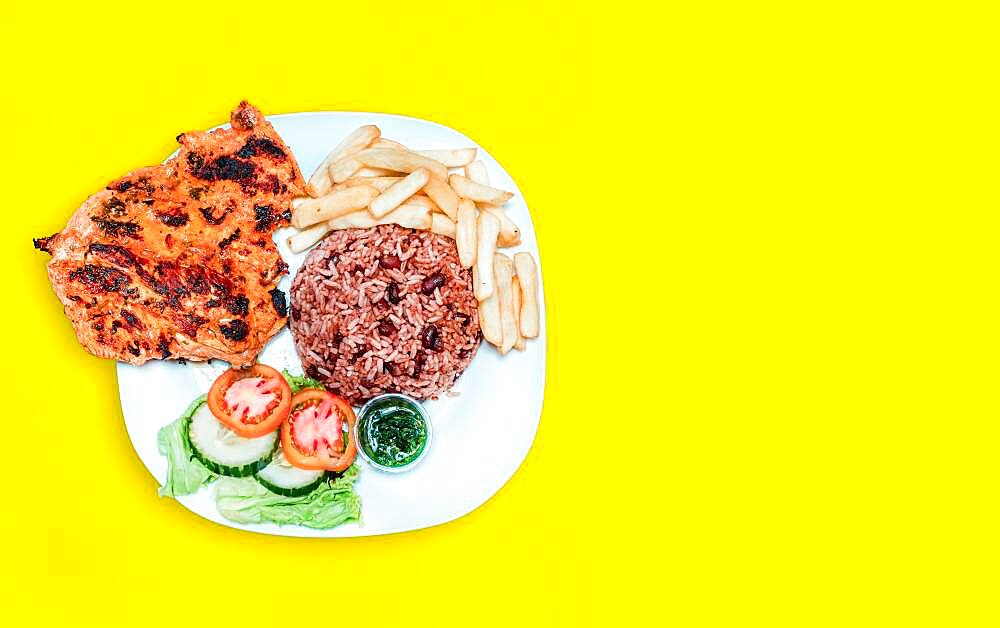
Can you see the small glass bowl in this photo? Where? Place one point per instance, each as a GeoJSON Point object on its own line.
{"type": "Point", "coordinates": [363, 415]}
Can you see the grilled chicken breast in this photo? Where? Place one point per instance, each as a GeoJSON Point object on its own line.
{"type": "Point", "coordinates": [177, 260]}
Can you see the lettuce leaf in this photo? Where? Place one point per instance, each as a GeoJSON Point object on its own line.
{"type": "Point", "coordinates": [185, 474]}
{"type": "Point", "coordinates": [298, 382]}
{"type": "Point", "coordinates": [243, 500]}
{"type": "Point", "coordinates": [334, 502]}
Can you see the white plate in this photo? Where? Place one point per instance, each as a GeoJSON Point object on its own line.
{"type": "Point", "coordinates": [480, 437]}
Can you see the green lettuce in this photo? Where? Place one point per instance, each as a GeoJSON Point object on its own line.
{"type": "Point", "coordinates": [185, 474]}
{"type": "Point", "coordinates": [298, 382]}
{"type": "Point", "coordinates": [245, 501]}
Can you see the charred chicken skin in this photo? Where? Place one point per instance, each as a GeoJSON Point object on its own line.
{"type": "Point", "coordinates": [177, 260]}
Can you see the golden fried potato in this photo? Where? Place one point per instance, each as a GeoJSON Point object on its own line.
{"type": "Point", "coordinates": [442, 225]}
{"type": "Point", "coordinates": [379, 183]}
{"type": "Point", "coordinates": [466, 188]}
{"type": "Point", "coordinates": [400, 161]}
{"type": "Point", "coordinates": [527, 273]}
{"type": "Point", "coordinates": [344, 168]}
{"type": "Point", "coordinates": [399, 192]}
{"type": "Point", "coordinates": [503, 277]}
{"type": "Point", "coordinates": [384, 143]}
{"type": "Point", "coordinates": [476, 172]}
{"type": "Point", "coordinates": [465, 233]}
{"type": "Point", "coordinates": [516, 294]}
{"type": "Point", "coordinates": [487, 227]}
{"type": "Point", "coordinates": [320, 181]}
{"type": "Point", "coordinates": [489, 311]}
{"type": "Point", "coordinates": [451, 158]}
{"type": "Point", "coordinates": [510, 233]}
{"type": "Point", "coordinates": [336, 203]}
{"type": "Point", "coordinates": [411, 216]}
{"type": "Point", "coordinates": [443, 196]}
{"type": "Point", "coordinates": [302, 240]}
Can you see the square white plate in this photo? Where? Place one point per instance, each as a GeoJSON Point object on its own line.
{"type": "Point", "coordinates": [481, 436]}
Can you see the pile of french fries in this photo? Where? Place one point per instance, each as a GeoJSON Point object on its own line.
{"type": "Point", "coordinates": [368, 180]}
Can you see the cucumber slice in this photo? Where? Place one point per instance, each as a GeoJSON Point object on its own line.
{"type": "Point", "coordinates": [282, 478]}
{"type": "Point", "coordinates": [223, 451]}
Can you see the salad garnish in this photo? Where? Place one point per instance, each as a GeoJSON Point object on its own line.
{"type": "Point", "coordinates": [255, 480]}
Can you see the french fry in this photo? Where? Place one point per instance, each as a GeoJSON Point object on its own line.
{"type": "Point", "coordinates": [302, 240]}
{"type": "Point", "coordinates": [451, 158]}
{"type": "Point", "coordinates": [465, 233]}
{"type": "Point", "coordinates": [527, 273]}
{"type": "Point", "coordinates": [476, 171]}
{"type": "Point", "coordinates": [385, 143]}
{"type": "Point", "coordinates": [510, 233]}
{"type": "Point", "coordinates": [365, 171]}
{"type": "Point", "coordinates": [379, 183]}
{"type": "Point", "coordinates": [343, 169]}
{"type": "Point", "coordinates": [399, 192]}
{"type": "Point", "coordinates": [489, 312]}
{"type": "Point", "coordinates": [487, 227]}
{"type": "Point", "coordinates": [320, 181]}
{"type": "Point", "coordinates": [443, 196]}
{"type": "Point", "coordinates": [400, 161]}
{"type": "Point", "coordinates": [411, 216]}
{"type": "Point", "coordinates": [516, 294]}
{"type": "Point", "coordinates": [336, 203]}
{"type": "Point", "coordinates": [442, 225]}
{"type": "Point", "coordinates": [467, 188]}
{"type": "Point", "coordinates": [503, 277]}
{"type": "Point", "coordinates": [423, 201]}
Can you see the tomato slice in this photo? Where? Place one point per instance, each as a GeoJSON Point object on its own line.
{"type": "Point", "coordinates": [252, 402]}
{"type": "Point", "coordinates": [314, 437]}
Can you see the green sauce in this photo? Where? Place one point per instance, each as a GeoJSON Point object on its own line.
{"type": "Point", "coordinates": [392, 432]}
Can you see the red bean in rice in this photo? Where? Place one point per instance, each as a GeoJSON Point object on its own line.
{"type": "Point", "coordinates": [364, 328]}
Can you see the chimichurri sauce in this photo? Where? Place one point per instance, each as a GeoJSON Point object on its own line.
{"type": "Point", "coordinates": [392, 433]}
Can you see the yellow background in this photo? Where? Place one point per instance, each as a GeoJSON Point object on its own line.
{"type": "Point", "coordinates": [769, 252]}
